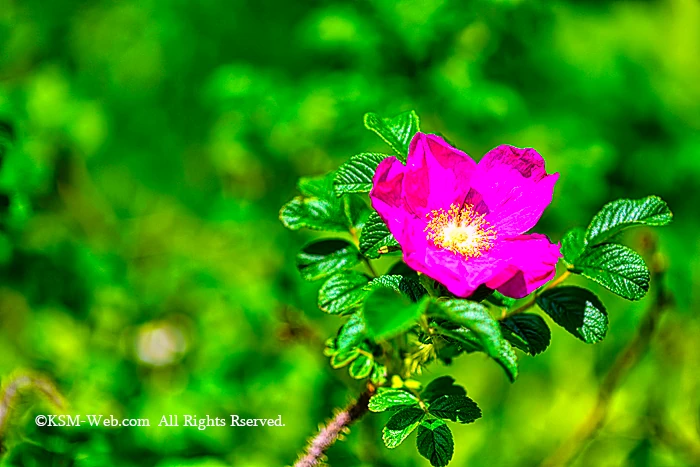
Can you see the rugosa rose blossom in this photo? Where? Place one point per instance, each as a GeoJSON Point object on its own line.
{"type": "Point", "coordinates": [462, 223]}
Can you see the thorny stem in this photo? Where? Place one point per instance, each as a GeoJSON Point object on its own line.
{"type": "Point", "coordinates": [328, 435]}
{"type": "Point", "coordinates": [626, 360]}
{"type": "Point", "coordinates": [533, 301]}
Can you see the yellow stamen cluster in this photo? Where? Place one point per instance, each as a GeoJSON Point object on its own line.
{"type": "Point", "coordinates": [460, 230]}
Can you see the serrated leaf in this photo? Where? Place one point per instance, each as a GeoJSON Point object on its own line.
{"type": "Point", "coordinates": [617, 268]}
{"type": "Point", "coordinates": [623, 213]}
{"type": "Point", "coordinates": [400, 425]}
{"type": "Point", "coordinates": [527, 331]}
{"type": "Point", "coordinates": [442, 386]}
{"type": "Point", "coordinates": [343, 292]}
{"type": "Point", "coordinates": [389, 398]}
{"type": "Point", "coordinates": [375, 235]}
{"type": "Point", "coordinates": [397, 132]}
{"type": "Point", "coordinates": [362, 367]}
{"type": "Point", "coordinates": [457, 408]}
{"type": "Point", "coordinates": [355, 176]}
{"type": "Point", "coordinates": [577, 310]}
{"type": "Point", "coordinates": [573, 244]}
{"type": "Point", "coordinates": [321, 209]}
{"type": "Point", "coordinates": [324, 258]}
{"type": "Point", "coordinates": [388, 312]}
{"type": "Point", "coordinates": [352, 333]}
{"type": "Point", "coordinates": [476, 318]}
{"type": "Point", "coordinates": [405, 285]}
{"type": "Point", "coordinates": [435, 443]}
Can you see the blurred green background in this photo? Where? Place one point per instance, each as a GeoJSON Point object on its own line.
{"type": "Point", "coordinates": [143, 267]}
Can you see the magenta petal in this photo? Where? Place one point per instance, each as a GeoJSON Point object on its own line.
{"type": "Point", "coordinates": [532, 261]}
{"type": "Point", "coordinates": [437, 174]}
{"type": "Point", "coordinates": [461, 276]}
{"type": "Point", "coordinates": [515, 187]}
{"type": "Point", "coordinates": [387, 195]}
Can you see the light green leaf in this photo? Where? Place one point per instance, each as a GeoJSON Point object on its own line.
{"type": "Point", "coordinates": [397, 132]}
{"type": "Point", "coordinates": [324, 258]}
{"type": "Point", "coordinates": [361, 367]}
{"type": "Point", "coordinates": [343, 292]}
{"type": "Point", "coordinates": [577, 310]}
{"type": "Point", "coordinates": [442, 386]}
{"type": "Point", "coordinates": [388, 313]}
{"type": "Point", "coordinates": [435, 443]}
{"type": "Point", "coordinates": [352, 333]}
{"type": "Point", "coordinates": [355, 176]}
{"type": "Point", "coordinates": [527, 331]}
{"type": "Point", "coordinates": [375, 235]}
{"type": "Point", "coordinates": [476, 319]}
{"type": "Point", "coordinates": [405, 285]}
{"type": "Point", "coordinates": [623, 213]}
{"type": "Point", "coordinates": [617, 268]}
{"type": "Point", "coordinates": [344, 357]}
{"type": "Point", "coordinates": [389, 398]}
{"type": "Point", "coordinates": [400, 425]}
{"type": "Point", "coordinates": [456, 408]}
{"type": "Point", "coordinates": [573, 244]}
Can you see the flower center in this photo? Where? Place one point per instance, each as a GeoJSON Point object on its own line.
{"type": "Point", "coordinates": [460, 230]}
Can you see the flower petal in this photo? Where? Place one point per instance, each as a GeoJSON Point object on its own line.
{"type": "Point", "coordinates": [386, 195]}
{"type": "Point", "coordinates": [531, 260]}
{"type": "Point", "coordinates": [515, 187]}
{"type": "Point", "coordinates": [462, 276]}
{"type": "Point", "coordinates": [437, 174]}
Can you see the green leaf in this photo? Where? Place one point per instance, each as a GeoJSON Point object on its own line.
{"type": "Point", "coordinates": [405, 285]}
{"type": "Point", "coordinates": [343, 357]}
{"type": "Point", "coordinates": [375, 235]}
{"type": "Point", "coordinates": [485, 329]}
{"type": "Point", "coordinates": [498, 299]}
{"type": "Point", "coordinates": [624, 213]}
{"type": "Point", "coordinates": [400, 425]}
{"type": "Point", "coordinates": [324, 258]}
{"type": "Point", "coordinates": [388, 313]}
{"type": "Point", "coordinates": [434, 442]}
{"type": "Point", "coordinates": [362, 367]}
{"type": "Point", "coordinates": [343, 292]}
{"type": "Point", "coordinates": [321, 209]}
{"type": "Point", "coordinates": [573, 244]}
{"type": "Point", "coordinates": [352, 333]}
{"type": "Point", "coordinates": [442, 386]}
{"type": "Point", "coordinates": [456, 408]}
{"type": "Point", "coordinates": [397, 132]}
{"type": "Point", "coordinates": [527, 331]}
{"type": "Point", "coordinates": [617, 268]}
{"type": "Point", "coordinates": [577, 310]}
{"type": "Point", "coordinates": [355, 176]}
{"type": "Point", "coordinates": [389, 398]}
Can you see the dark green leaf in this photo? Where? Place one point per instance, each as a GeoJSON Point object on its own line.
{"type": "Point", "coordinates": [456, 408]}
{"type": "Point", "coordinates": [577, 310]}
{"type": "Point", "coordinates": [617, 268]}
{"type": "Point", "coordinates": [389, 398]}
{"type": "Point", "coordinates": [352, 333]}
{"type": "Point", "coordinates": [343, 292]}
{"type": "Point", "coordinates": [324, 258]}
{"type": "Point", "coordinates": [314, 214]}
{"type": "Point", "coordinates": [388, 313]}
{"type": "Point", "coordinates": [442, 386]}
{"type": "Point", "coordinates": [375, 235]}
{"type": "Point", "coordinates": [400, 425]}
{"type": "Point", "coordinates": [401, 269]}
{"type": "Point", "coordinates": [405, 285]}
{"type": "Point", "coordinates": [623, 213]}
{"type": "Point", "coordinates": [573, 244]}
{"type": "Point", "coordinates": [397, 131]}
{"type": "Point", "coordinates": [361, 367]}
{"type": "Point", "coordinates": [485, 329]}
{"type": "Point", "coordinates": [355, 176]}
{"type": "Point", "coordinates": [434, 442]}
{"type": "Point", "coordinates": [527, 331]}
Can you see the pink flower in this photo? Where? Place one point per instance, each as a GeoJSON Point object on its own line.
{"type": "Point", "coordinates": [462, 223]}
